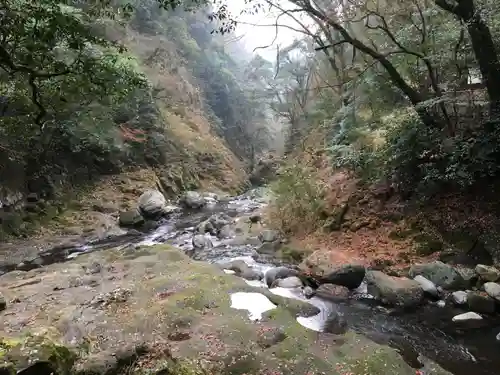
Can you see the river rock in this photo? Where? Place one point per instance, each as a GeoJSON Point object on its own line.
{"type": "Point", "coordinates": [239, 266]}
{"type": "Point", "coordinates": [278, 273]}
{"type": "Point", "coordinates": [193, 200]}
{"type": "Point", "coordinates": [481, 303]}
{"type": "Point", "coordinates": [459, 297]}
{"type": "Point", "coordinates": [493, 290]}
{"type": "Point", "coordinates": [308, 292]}
{"type": "Point", "coordinates": [466, 316]}
{"type": "Point", "coordinates": [201, 242]}
{"type": "Point", "coordinates": [440, 274]}
{"type": "Point", "coordinates": [288, 282]}
{"type": "Point", "coordinates": [220, 220]}
{"type": "Point", "coordinates": [131, 218]}
{"type": "Point", "coordinates": [269, 235]}
{"type": "Point", "coordinates": [226, 232]}
{"type": "Point", "coordinates": [487, 273]}
{"type": "Point", "coordinates": [153, 205]}
{"type": "Point", "coordinates": [394, 291]}
{"type": "Point", "coordinates": [206, 227]}
{"type": "Point", "coordinates": [468, 274]}
{"type": "Point", "coordinates": [350, 275]}
{"type": "Point", "coordinates": [427, 285]}
{"type": "Point", "coordinates": [332, 291]}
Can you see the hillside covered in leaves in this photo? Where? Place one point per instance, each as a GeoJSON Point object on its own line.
{"type": "Point", "coordinates": [89, 90]}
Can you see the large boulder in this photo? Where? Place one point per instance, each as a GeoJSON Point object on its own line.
{"type": "Point", "coordinates": [350, 275]}
{"type": "Point", "coordinates": [279, 273]}
{"type": "Point", "coordinates": [153, 205]}
{"type": "Point", "coordinates": [394, 291]}
{"type": "Point", "coordinates": [440, 274]}
{"type": "Point", "coordinates": [131, 219]}
{"type": "Point", "coordinates": [193, 200]}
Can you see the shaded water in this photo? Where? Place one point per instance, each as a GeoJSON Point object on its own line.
{"type": "Point", "coordinates": [429, 331]}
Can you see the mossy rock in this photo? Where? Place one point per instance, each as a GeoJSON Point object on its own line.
{"type": "Point", "coordinates": [27, 351]}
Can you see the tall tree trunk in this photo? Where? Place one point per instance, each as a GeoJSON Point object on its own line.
{"type": "Point", "coordinates": [482, 44]}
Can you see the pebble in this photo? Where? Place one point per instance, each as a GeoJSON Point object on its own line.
{"type": "Point", "coordinates": [441, 303]}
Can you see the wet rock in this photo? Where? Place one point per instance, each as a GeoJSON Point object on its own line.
{"type": "Point", "coordinates": [270, 337]}
{"type": "Point", "coordinates": [440, 274]}
{"type": "Point", "coordinates": [206, 227]}
{"type": "Point", "coordinates": [193, 200]}
{"type": "Point", "coordinates": [493, 290]}
{"type": "Point", "coordinates": [427, 285]}
{"type": "Point", "coordinates": [466, 316]}
{"type": "Point", "coordinates": [441, 304]}
{"type": "Point", "coordinates": [118, 295]}
{"type": "Point", "coordinates": [269, 235]}
{"type": "Point", "coordinates": [487, 273]}
{"type": "Point", "coordinates": [226, 232]}
{"type": "Point", "coordinates": [3, 303]}
{"type": "Point", "coordinates": [498, 337]}
{"type": "Point", "coordinates": [279, 273]}
{"type": "Point", "coordinates": [308, 292]}
{"type": "Point", "coordinates": [237, 265]}
{"type": "Point", "coordinates": [132, 218]}
{"type": "Point", "coordinates": [153, 205]}
{"type": "Point", "coordinates": [459, 297]}
{"type": "Point", "coordinates": [394, 291]}
{"type": "Point", "coordinates": [251, 274]}
{"type": "Point", "coordinates": [289, 282]}
{"type": "Point", "coordinates": [480, 302]}
{"type": "Point", "coordinates": [351, 276]}
{"type": "Point", "coordinates": [335, 324]}
{"type": "Point", "coordinates": [201, 242]}
{"type": "Point", "coordinates": [220, 220]}
{"type": "Point", "coordinates": [332, 291]}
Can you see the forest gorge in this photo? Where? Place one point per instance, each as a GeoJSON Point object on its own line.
{"type": "Point", "coordinates": [172, 202]}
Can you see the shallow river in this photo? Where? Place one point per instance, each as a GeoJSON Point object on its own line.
{"type": "Point", "coordinates": [462, 350]}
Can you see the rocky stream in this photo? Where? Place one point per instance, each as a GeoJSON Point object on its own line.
{"type": "Point", "coordinates": [100, 295]}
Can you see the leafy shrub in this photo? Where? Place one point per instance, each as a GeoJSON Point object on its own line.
{"type": "Point", "coordinates": [418, 158]}
{"type": "Point", "coordinates": [299, 199]}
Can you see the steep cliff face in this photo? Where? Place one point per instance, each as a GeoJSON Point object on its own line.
{"type": "Point", "coordinates": [170, 127]}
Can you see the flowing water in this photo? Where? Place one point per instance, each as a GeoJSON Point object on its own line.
{"type": "Point", "coordinates": [429, 331]}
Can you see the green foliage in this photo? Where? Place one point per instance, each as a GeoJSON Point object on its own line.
{"type": "Point", "coordinates": [299, 199]}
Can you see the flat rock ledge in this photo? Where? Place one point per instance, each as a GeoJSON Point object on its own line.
{"type": "Point", "coordinates": [155, 311]}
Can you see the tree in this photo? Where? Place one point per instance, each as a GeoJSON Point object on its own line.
{"type": "Point", "coordinates": [482, 43]}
